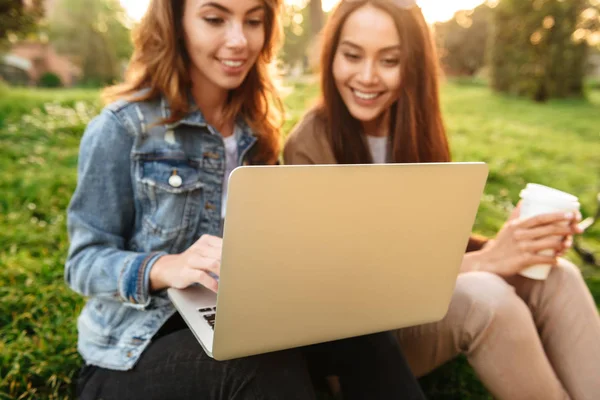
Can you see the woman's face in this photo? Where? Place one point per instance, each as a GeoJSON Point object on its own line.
{"type": "Point", "coordinates": [224, 39]}
{"type": "Point", "coordinates": [366, 65]}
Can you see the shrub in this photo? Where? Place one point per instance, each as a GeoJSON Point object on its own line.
{"type": "Point", "coordinates": [50, 80]}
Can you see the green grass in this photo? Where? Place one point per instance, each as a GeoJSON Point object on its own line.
{"type": "Point", "coordinates": [556, 144]}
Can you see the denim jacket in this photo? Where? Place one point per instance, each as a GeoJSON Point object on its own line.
{"type": "Point", "coordinates": [128, 210]}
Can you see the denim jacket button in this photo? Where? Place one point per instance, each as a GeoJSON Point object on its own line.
{"type": "Point", "coordinates": [175, 181]}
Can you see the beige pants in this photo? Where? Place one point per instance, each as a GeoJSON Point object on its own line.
{"type": "Point", "coordinates": [525, 339]}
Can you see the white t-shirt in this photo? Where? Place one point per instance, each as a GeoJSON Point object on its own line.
{"type": "Point", "coordinates": [379, 148]}
{"type": "Point", "coordinates": [231, 162]}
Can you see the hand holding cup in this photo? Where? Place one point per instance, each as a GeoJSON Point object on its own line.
{"type": "Point", "coordinates": [538, 200]}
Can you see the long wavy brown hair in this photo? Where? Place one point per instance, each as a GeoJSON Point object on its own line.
{"type": "Point", "coordinates": [160, 63]}
{"type": "Point", "coordinates": [416, 127]}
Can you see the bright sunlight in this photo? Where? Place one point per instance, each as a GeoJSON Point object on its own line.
{"type": "Point", "coordinates": [434, 10]}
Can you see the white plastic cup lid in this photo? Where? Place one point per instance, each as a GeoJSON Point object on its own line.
{"type": "Point", "coordinates": [544, 194]}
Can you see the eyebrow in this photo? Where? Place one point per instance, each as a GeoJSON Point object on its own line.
{"type": "Point", "coordinates": [354, 45]}
{"type": "Point", "coordinates": [227, 10]}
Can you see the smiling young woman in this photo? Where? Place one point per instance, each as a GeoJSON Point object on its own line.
{"type": "Point", "coordinates": [148, 209]}
{"type": "Point", "coordinates": [526, 339]}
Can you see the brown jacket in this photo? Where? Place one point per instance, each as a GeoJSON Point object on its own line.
{"type": "Point", "coordinates": [309, 143]}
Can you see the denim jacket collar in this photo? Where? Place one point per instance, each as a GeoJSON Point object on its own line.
{"type": "Point", "coordinates": [196, 118]}
{"type": "Point", "coordinates": [245, 136]}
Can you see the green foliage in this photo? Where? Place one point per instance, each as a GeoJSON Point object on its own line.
{"type": "Point", "coordinates": [20, 102]}
{"type": "Point", "coordinates": [301, 96]}
{"type": "Point", "coordinates": [533, 48]}
{"type": "Point", "coordinates": [50, 80]}
{"type": "Point", "coordinates": [18, 18]}
{"type": "Point", "coordinates": [40, 132]}
{"type": "Point", "coordinates": [96, 34]}
{"type": "Point", "coordinates": [594, 285]}
{"type": "Point", "coordinates": [593, 84]}
{"type": "Point", "coordinates": [462, 41]}
{"type": "Point", "coordinates": [454, 380]}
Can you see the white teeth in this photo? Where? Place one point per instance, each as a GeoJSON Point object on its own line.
{"type": "Point", "coordinates": [365, 96]}
{"type": "Point", "coordinates": [233, 64]}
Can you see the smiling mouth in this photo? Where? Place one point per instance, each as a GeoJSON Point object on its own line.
{"type": "Point", "coordinates": [366, 95]}
{"type": "Point", "coordinates": [232, 63]}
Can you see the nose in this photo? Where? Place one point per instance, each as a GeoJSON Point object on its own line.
{"type": "Point", "coordinates": [368, 74]}
{"type": "Point", "coordinates": [236, 38]}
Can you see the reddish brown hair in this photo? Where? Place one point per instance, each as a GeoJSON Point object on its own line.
{"type": "Point", "coordinates": [160, 63]}
{"type": "Point", "coordinates": [416, 127]}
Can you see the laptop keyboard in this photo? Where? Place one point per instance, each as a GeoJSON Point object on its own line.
{"type": "Point", "coordinates": [209, 314]}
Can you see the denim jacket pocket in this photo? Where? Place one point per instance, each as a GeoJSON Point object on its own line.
{"type": "Point", "coordinates": [170, 190]}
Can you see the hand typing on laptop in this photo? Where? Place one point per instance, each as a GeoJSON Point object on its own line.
{"type": "Point", "coordinates": [201, 263]}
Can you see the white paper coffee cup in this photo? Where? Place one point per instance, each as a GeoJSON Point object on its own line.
{"type": "Point", "coordinates": [539, 199]}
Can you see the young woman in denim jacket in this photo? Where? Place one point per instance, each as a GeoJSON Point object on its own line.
{"type": "Point", "coordinates": [147, 215]}
{"type": "Point", "coordinates": [526, 339]}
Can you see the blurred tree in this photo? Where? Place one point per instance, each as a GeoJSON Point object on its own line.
{"type": "Point", "coordinates": [296, 27]}
{"type": "Point", "coordinates": [462, 41]}
{"type": "Point", "coordinates": [588, 27]}
{"type": "Point", "coordinates": [538, 48]}
{"type": "Point", "coordinates": [18, 17]}
{"type": "Point", "coordinates": [96, 34]}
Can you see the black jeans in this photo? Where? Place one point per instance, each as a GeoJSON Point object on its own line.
{"type": "Point", "coordinates": [175, 367]}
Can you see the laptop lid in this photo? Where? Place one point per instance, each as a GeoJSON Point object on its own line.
{"type": "Point", "coordinates": [324, 252]}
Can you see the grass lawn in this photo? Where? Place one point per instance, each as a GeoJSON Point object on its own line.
{"type": "Point", "coordinates": [557, 144]}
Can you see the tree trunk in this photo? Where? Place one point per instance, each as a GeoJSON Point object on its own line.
{"type": "Point", "coordinates": [316, 18]}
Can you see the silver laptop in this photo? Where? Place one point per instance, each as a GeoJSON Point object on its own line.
{"type": "Point", "coordinates": [324, 252]}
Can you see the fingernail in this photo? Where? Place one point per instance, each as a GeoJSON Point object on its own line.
{"type": "Point", "coordinates": [569, 215]}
